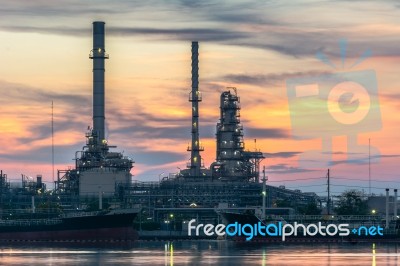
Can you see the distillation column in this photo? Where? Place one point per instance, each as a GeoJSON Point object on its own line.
{"type": "Point", "coordinates": [195, 98]}
{"type": "Point", "coordinates": [230, 145]}
{"type": "Point", "coordinates": [235, 162]}
{"type": "Point", "coordinates": [98, 54]}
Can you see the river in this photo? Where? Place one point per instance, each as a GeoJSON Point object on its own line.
{"type": "Point", "coordinates": [206, 253]}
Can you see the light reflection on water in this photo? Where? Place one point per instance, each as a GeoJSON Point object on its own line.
{"type": "Point", "coordinates": [206, 253]}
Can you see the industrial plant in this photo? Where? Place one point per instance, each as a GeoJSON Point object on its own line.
{"type": "Point", "coordinates": [102, 179]}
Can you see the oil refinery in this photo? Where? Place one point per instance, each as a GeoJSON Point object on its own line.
{"type": "Point", "coordinates": [102, 179]}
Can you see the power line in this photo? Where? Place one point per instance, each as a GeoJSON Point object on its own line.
{"type": "Point", "coordinates": [298, 179]}
{"type": "Point", "coordinates": [375, 180]}
{"type": "Point", "coordinates": [358, 186]}
{"type": "Point", "coordinates": [306, 186]}
{"type": "Point", "coordinates": [344, 178]}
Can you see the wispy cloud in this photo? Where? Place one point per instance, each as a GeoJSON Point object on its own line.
{"type": "Point", "coordinates": [23, 93]}
{"type": "Point", "coordinates": [251, 24]}
{"type": "Point", "coordinates": [158, 157]}
{"type": "Point", "coordinates": [183, 34]}
{"type": "Point", "coordinates": [283, 154]}
{"type": "Point", "coordinates": [364, 159]}
{"type": "Point", "coordinates": [64, 155]}
{"type": "Point", "coordinates": [286, 169]}
{"type": "Point", "coordinates": [266, 133]}
{"type": "Point", "coordinates": [49, 30]}
{"type": "Point", "coordinates": [263, 80]}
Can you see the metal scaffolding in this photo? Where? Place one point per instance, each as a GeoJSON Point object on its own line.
{"type": "Point", "coordinates": [233, 162]}
{"type": "Point", "coordinates": [187, 198]}
{"type": "Point", "coordinates": [195, 97]}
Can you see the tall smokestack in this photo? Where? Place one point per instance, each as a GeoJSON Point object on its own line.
{"type": "Point", "coordinates": [195, 98]}
{"type": "Point", "coordinates": [98, 54]}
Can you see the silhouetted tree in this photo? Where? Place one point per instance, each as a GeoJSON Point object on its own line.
{"type": "Point", "coordinates": [351, 202]}
{"type": "Point", "coordinates": [310, 209]}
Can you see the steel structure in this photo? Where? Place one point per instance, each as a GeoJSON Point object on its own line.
{"type": "Point", "coordinates": [4, 184]}
{"type": "Point", "coordinates": [96, 170]}
{"type": "Point", "coordinates": [4, 189]}
{"type": "Point", "coordinates": [233, 162]}
{"type": "Point", "coordinates": [195, 97]}
{"type": "Point", "coordinates": [184, 198]}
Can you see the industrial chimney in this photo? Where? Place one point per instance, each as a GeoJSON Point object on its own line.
{"type": "Point", "coordinates": [98, 54]}
{"type": "Point", "coordinates": [195, 98]}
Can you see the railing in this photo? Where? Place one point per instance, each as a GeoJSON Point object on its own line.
{"type": "Point", "coordinates": [34, 222]}
{"type": "Point", "coordinates": [80, 214]}
{"type": "Point", "coordinates": [195, 97]}
{"type": "Point", "coordinates": [198, 148]}
{"type": "Point", "coordinates": [98, 53]}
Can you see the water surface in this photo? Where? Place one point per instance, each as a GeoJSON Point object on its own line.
{"type": "Point", "coordinates": [206, 253]}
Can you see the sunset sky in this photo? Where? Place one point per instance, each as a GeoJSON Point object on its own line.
{"type": "Point", "coordinates": [255, 46]}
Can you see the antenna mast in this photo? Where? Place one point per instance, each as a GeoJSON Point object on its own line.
{"type": "Point", "coordinates": [52, 139]}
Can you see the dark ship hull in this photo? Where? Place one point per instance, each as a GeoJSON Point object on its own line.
{"type": "Point", "coordinates": [241, 218]}
{"type": "Point", "coordinates": [110, 226]}
{"type": "Point", "coordinates": [249, 217]}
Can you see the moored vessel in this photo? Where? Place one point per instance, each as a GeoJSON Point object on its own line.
{"type": "Point", "coordinates": [113, 225]}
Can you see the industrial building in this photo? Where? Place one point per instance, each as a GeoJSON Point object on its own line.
{"type": "Point", "coordinates": [97, 170]}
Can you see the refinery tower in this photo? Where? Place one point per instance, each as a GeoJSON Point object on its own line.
{"type": "Point", "coordinates": [232, 163]}
{"type": "Point", "coordinates": [97, 169]}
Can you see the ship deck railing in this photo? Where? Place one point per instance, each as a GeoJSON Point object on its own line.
{"type": "Point", "coordinates": [80, 214]}
{"type": "Point", "coordinates": [29, 222]}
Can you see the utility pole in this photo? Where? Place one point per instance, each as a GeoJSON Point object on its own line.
{"type": "Point", "coordinates": [369, 165]}
{"type": "Point", "coordinates": [329, 194]}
